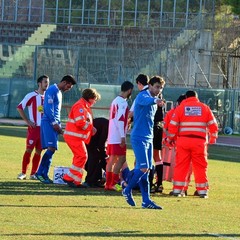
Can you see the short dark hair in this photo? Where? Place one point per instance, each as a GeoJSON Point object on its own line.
{"type": "Point", "coordinates": [143, 79]}
{"type": "Point", "coordinates": [39, 80]}
{"type": "Point", "coordinates": [126, 86]}
{"type": "Point", "coordinates": [69, 79]}
{"type": "Point", "coordinates": [191, 93]}
{"type": "Point", "coordinates": [91, 93]}
{"type": "Point", "coordinates": [156, 79]}
{"type": "Point", "coordinates": [181, 98]}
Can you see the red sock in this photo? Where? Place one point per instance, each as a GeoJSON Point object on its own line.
{"type": "Point", "coordinates": [25, 161]}
{"type": "Point", "coordinates": [115, 179]}
{"type": "Point", "coordinates": [109, 176]}
{"type": "Point", "coordinates": [35, 163]}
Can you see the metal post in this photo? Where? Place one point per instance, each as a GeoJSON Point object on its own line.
{"type": "Point", "coordinates": [161, 13]}
{"type": "Point", "coordinates": [109, 12]}
{"type": "Point", "coordinates": [135, 13]}
{"type": "Point", "coordinates": [123, 1]}
{"type": "Point", "coordinates": [56, 16]}
{"type": "Point", "coordinates": [96, 9]}
{"type": "Point", "coordinates": [174, 13]}
{"type": "Point", "coordinates": [3, 10]}
{"type": "Point", "coordinates": [148, 13]}
{"type": "Point", "coordinates": [83, 8]}
{"type": "Point", "coordinates": [70, 11]}
{"type": "Point", "coordinates": [43, 11]}
{"type": "Point", "coordinates": [187, 13]}
{"type": "Point", "coordinates": [16, 11]}
{"type": "Point", "coordinates": [29, 10]}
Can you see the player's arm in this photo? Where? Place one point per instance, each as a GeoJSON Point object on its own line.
{"type": "Point", "coordinates": [25, 118]}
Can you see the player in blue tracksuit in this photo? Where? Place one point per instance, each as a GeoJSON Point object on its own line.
{"type": "Point", "coordinates": [51, 124]}
{"type": "Point", "coordinates": [141, 139]}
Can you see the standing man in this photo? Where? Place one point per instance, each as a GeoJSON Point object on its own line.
{"type": "Point", "coordinates": [78, 133]}
{"type": "Point", "coordinates": [117, 131]}
{"type": "Point", "coordinates": [192, 122]}
{"type": "Point", "coordinates": [157, 145]}
{"type": "Point", "coordinates": [145, 108]}
{"type": "Point", "coordinates": [97, 155]}
{"type": "Point", "coordinates": [34, 102]}
{"type": "Point", "coordinates": [51, 124]}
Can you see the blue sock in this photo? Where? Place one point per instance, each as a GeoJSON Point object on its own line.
{"type": "Point", "coordinates": [125, 173]}
{"type": "Point", "coordinates": [137, 174]}
{"type": "Point", "coordinates": [145, 188]}
{"type": "Point", "coordinates": [46, 163]}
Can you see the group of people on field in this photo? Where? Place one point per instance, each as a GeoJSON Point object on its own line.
{"type": "Point", "coordinates": [100, 143]}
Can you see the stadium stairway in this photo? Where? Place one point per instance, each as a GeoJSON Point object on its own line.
{"type": "Point", "coordinates": [172, 49]}
{"type": "Point", "coordinates": [25, 51]}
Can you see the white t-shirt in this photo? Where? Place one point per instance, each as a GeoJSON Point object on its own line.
{"type": "Point", "coordinates": [117, 128]}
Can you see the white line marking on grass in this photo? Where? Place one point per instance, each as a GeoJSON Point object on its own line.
{"type": "Point", "coordinates": [222, 236]}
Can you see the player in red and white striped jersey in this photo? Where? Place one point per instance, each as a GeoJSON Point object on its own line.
{"type": "Point", "coordinates": [117, 131]}
{"type": "Point", "coordinates": [34, 103]}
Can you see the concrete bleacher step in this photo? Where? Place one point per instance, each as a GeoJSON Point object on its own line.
{"type": "Point", "coordinates": [172, 50]}
{"type": "Point", "coordinates": [26, 51]}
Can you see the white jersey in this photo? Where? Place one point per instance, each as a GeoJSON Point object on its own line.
{"type": "Point", "coordinates": [117, 128]}
{"type": "Point", "coordinates": [34, 102]}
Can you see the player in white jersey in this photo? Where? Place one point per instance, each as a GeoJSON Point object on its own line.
{"type": "Point", "coordinates": [117, 131]}
{"type": "Point", "coordinates": [34, 103]}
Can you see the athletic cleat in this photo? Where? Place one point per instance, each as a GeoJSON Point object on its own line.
{"type": "Point", "coordinates": [151, 205]}
{"type": "Point", "coordinates": [129, 198]}
{"type": "Point", "coordinates": [47, 181]}
{"type": "Point", "coordinates": [181, 194]}
{"type": "Point", "coordinates": [40, 178]}
{"type": "Point", "coordinates": [196, 193]}
{"type": "Point", "coordinates": [118, 187]}
{"type": "Point", "coordinates": [33, 177]}
{"type": "Point", "coordinates": [203, 195]}
{"type": "Point", "coordinates": [22, 176]}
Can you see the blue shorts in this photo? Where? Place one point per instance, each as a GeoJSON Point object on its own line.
{"type": "Point", "coordinates": [49, 137]}
{"type": "Point", "coordinates": [143, 151]}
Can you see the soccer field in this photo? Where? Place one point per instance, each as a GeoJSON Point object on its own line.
{"type": "Point", "coordinates": [32, 210]}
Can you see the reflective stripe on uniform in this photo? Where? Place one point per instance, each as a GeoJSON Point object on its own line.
{"type": "Point", "coordinates": [211, 122]}
{"type": "Point", "coordinates": [75, 119]}
{"type": "Point", "coordinates": [202, 185]}
{"type": "Point", "coordinates": [86, 125]}
{"type": "Point", "coordinates": [75, 134]}
{"type": "Point", "coordinates": [203, 124]}
{"type": "Point", "coordinates": [192, 130]}
{"type": "Point", "coordinates": [76, 178]}
{"type": "Point", "coordinates": [214, 134]}
{"type": "Point", "coordinates": [176, 183]}
{"type": "Point", "coordinates": [73, 167]}
{"type": "Point", "coordinates": [173, 123]}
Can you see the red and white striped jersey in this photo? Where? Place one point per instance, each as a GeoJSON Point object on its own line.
{"type": "Point", "coordinates": [118, 120]}
{"type": "Point", "coordinates": [34, 102]}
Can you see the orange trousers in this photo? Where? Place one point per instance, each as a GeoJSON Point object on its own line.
{"type": "Point", "coordinates": [80, 155]}
{"type": "Point", "coordinates": [191, 151]}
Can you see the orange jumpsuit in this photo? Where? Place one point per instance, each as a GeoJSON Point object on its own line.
{"type": "Point", "coordinates": [77, 133]}
{"type": "Point", "coordinates": [192, 122]}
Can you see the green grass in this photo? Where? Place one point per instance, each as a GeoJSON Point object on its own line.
{"type": "Point", "coordinates": [31, 210]}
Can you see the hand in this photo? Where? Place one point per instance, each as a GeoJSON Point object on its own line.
{"type": "Point", "coordinates": [169, 143]}
{"type": "Point", "coordinates": [123, 142]}
{"type": "Point", "coordinates": [58, 129]}
{"type": "Point", "coordinates": [160, 103]}
{"type": "Point", "coordinates": [212, 140]}
{"type": "Point", "coordinates": [94, 130]}
{"type": "Point", "coordinates": [31, 124]}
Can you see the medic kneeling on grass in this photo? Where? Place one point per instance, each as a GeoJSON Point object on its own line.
{"type": "Point", "coordinates": [77, 134]}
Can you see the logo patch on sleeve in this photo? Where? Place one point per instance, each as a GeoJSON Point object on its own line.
{"type": "Point", "coordinates": [81, 110]}
{"type": "Point", "coordinates": [193, 111]}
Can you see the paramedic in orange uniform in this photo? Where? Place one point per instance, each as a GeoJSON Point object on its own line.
{"type": "Point", "coordinates": [193, 123]}
{"type": "Point", "coordinates": [78, 132]}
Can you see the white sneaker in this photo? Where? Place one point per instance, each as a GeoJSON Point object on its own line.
{"type": "Point", "coordinates": [33, 177]}
{"type": "Point", "coordinates": [21, 176]}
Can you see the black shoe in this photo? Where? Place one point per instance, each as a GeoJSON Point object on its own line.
{"type": "Point", "coordinates": [203, 195]}
{"type": "Point", "coordinates": [196, 193]}
{"type": "Point", "coordinates": [159, 189]}
{"type": "Point", "coordinates": [182, 194]}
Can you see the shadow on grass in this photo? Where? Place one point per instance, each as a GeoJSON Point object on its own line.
{"type": "Point", "coordinates": [133, 234]}
{"type": "Point", "coordinates": [37, 188]}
